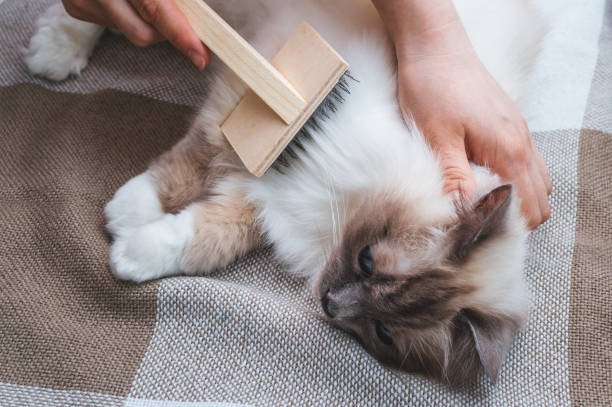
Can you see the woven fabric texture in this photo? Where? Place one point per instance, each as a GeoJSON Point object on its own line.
{"type": "Point", "coordinates": [250, 334]}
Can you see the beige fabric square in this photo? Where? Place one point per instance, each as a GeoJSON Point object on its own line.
{"type": "Point", "coordinates": [72, 335]}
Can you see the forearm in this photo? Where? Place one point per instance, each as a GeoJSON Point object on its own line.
{"type": "Point", "coordinates": [420, 27]}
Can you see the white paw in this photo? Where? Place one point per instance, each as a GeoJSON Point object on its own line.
{"type": "Point", "coordinates": [154, 250]}
{"type": "Point", "coordinates": [134, 204]}
{"type": "Point", "coordinates": [61, 45]}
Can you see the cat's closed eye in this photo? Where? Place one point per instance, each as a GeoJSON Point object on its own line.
{"type": "Point", "coordinates": [365, 260]}
{"type": "Point", "coordinates": [383, 333]}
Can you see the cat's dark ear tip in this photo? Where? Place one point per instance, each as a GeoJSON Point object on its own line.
{"type": "Point", "coordinates": [501, 192]}
{"type": "Point", "coordinates": [505, 189]}
{"type": "Point", "coordinates": [505, 186]}
{"type": "Point", "coordinates": [496, 199]}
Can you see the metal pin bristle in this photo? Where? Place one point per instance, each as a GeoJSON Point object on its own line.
{"type": "Point", "coordinates": [323, 113]}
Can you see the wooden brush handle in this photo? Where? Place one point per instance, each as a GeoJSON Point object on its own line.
{"type": "Point", "coordinates": [243, 60]}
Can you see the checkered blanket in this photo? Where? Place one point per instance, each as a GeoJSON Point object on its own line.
{"type": "Point", "coordinates": [70, 334]}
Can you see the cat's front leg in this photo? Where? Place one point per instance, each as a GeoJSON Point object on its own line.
{"type": "Point", "coordinates": [135, 204]}
{"type": "Point", "coordinates": [61, 45]}
{"type": "Point", "coordinates": [204, 236]}
{"type": "Point", "coordinates": [225, 228]}
{"type": "Point", "coordinates": [152, 250]}
{"type": "Point", "coordinates": [138, 224]}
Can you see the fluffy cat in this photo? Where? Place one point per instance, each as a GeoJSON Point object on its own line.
{"type": "Point", "coordinates": [425, 284]}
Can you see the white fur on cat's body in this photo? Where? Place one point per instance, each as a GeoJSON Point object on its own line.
{"type": "Point", "coordinates": [366, 147]}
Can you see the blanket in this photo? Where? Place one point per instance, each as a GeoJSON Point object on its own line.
{"type": "Point", "coordinates": [70, 334]}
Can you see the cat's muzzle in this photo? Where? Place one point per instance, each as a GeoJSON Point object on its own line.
{"type": "Point", "coordinates": [343, 302]}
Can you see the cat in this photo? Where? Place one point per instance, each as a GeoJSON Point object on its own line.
{"type": "Point", "coordinates": [425, 283]}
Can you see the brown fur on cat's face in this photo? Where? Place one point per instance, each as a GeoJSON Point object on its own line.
{"type": "Point", "coordinates": [399, 286]}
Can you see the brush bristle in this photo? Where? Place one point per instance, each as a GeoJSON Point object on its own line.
{"type": "Point", "coordinates": [322, 113]}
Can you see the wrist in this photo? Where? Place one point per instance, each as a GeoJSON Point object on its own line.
{"type": "Point", "coordinates": [423, 27]}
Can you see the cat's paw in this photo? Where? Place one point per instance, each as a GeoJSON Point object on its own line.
{"type": "Point", "coordinates": [61, 45]}
{"type": "Point", "coordinates": [134, 204]}
{"type": "Point", "coordinates": [154, 250]}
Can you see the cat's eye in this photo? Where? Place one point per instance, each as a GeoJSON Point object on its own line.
{"type": "Point", "coordinates": [383, 333]}
{"type": "Point", "coordinates": [365, 260]}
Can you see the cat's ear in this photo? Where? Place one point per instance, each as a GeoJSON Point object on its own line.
{"type": "Point", "coordinates": [492, 338]}
{"type": "Point", "coordinates": [481, 221]}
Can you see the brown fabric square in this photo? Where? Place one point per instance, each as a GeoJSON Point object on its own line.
{"type": "Point", "coordinates": [65, 323]}
{"type": "Point", "coordinates": [590, 325]}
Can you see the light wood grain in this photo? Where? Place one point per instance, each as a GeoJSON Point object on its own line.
{"type": "Point", "coordinates": [260, 76]}
{"type": "Point", "coordinates": [255, 132]}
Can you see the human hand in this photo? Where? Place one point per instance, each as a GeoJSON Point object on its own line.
{"type": "Point", "coordinates": [465, 115]}
{"type": "Point", "coordinates": [143, 22]}
{"type": "Point", "coordinates": [461, 110]}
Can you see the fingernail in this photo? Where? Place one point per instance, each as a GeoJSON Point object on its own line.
{"type": "Point", "coordinates": [197, 59]}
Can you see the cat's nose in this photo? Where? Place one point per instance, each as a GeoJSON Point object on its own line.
{"type": "Point", "coordinates": [342, 302]}
{"type": "Point", "coordinates": [325, 304]}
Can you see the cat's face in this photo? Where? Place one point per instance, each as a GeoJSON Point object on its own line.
{"type": "Point", "coordinates": [398, 285]}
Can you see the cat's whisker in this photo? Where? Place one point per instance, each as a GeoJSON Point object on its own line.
{"type": "Point", "coordinates": [337, 214]}
{"type": "Point", "coordinates": [345, 210]}
{"type": "Point", "coordinates": [406, 355]}
{"type": "Point", "coordinates": [339, 221]}
{"type": "Point", "coordinates": [333, 210]}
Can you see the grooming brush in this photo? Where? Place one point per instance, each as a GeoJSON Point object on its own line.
{"type": "Point", "coordinates": [283, 94]}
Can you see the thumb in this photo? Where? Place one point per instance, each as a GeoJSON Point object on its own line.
{"type": "Point", "coordinates": [458, 176]}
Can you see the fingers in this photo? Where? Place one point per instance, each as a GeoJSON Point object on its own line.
{"type": "Point", "coordinates": [143, 22]}
{"type": "Point", "coordinates": [543, 169]}
{"type": "Point", "coordinates": [88, 11]}
{"type": "Point", "coordinates": [540, 165]}
{"type": "Point", "coordinates": [543, 187]}
{"type": "Point", "coordinates": [114, 14]}
{"type": "Point", "coordinates": [536, 178]}
{"type": "Point", "coordinates": [513, 156]}
{"type": "Point", "coordinates": [129, 22]}
{"type": "Point", "coordinates": [530, 207]}
{"type": "Point", "coordinates": [534, 197]}
{"type": "Point", "coordinates": [525, 168]}
{"type": "Point", "coordinates": [172, 24]}
{"type": "Point", "coordinates": [456, 171]}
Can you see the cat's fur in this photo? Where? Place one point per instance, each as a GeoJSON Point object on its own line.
{"type": "Point", "coordinates": [439, 288]}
